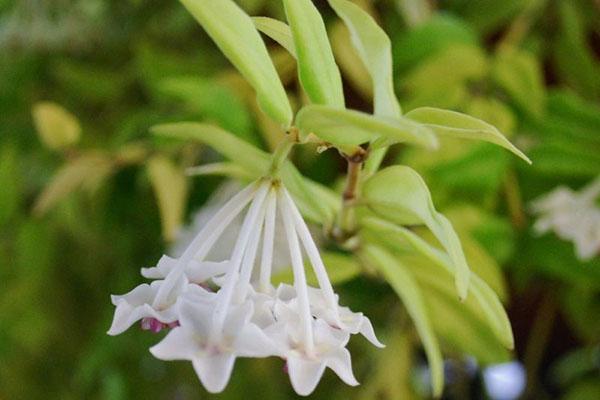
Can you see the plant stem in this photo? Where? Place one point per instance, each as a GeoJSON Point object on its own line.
{"type": "Point", "coordinates": [282, 151]}
{"type": "Point", "coordinates": [347, 218]}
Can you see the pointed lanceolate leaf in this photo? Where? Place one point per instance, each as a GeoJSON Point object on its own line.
{"type": "Point", "coordinates": [402, 281]}
{"type": "Point", "coordinates": [375, 50]}
{"type": "Point", "coordinates": [316, 201]}
{"type": "Point", "coordinates": [455, 124]}
{"type": "Point", "coordinates": [276, 30]}
{"type": "Point", "coordinates": [170, 188]}
{"type": "Point", "coordinates": [235, 34]}
{"type": "Point", "coordinates": [319, 74]}
{"type": "Point", "coordinates": [399, 194]}
{"type": "Point", "coordinates": [486, 298]}
{"type": "Point", "coordinates": [347, 129]}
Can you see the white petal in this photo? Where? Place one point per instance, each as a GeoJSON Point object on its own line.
{"type": "Point", "coordinates": [367, 331]}
{"type": "Point", "coordinates": [162, 269]}
{"type": "Point", "coordinates": [304, 374]}
{"type": "Point", "coordinates": [339, 361]}
{"type": "Point", "coordinates": [126, 315]}
{"type": "Point", "coordinates": [199, 272]}
{"type": "Point", "coordinates": [179, 344]}
{"type": "Point", "coordinates": [237, 318]}
{"type": "Point", "coordinates": [142, 294]}
{"type": "Point", "coordinates": [196, 316]}
{"type": "Point", "coordinates": [214, 371]}
{"type": "Point", "coordinates": [252, 342]}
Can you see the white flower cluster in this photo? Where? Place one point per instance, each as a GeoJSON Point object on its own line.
{"type": "Point", "coordinates": [573, 216]}
{"type": "Point", "coordinates": [219, 310]}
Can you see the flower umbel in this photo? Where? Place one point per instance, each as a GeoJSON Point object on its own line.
{"type": "Point", "coordinates": [218, 310]}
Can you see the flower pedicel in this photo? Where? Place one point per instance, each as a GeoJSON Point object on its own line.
{"type": "Point", "coordinates": [245, 316]}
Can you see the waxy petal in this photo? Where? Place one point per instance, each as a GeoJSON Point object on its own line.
{"type": "Point", "coordinates": [214, 371]}
{"type": "Point", "coordinates": [304, 374]}
{"type": "Point", "coordinates": [179, 344]}
{"type": "Point", "coordinates": [340, 362]}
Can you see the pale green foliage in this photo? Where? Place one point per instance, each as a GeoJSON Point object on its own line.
{"type": "Point", "coordinates": [401, 280]}
{"type": "Point", "coordinates": [375, 50]}
{"type": "Point", "coordinates": [314, 200]}
{"type": "Point", "coordinates": [347, 129]}
{"type": "Point", "coordinates": [276, 30]}
{"type": "Point", "coordinates": [399, 194]}
{"type": "Point", "coordinates": [452, 123]}
{"type": "Point", "coordinates": [170, 188]}
{"type": "Point", "coordinates": [56, 127]}
{"type": "Point", "coordinates": [241, 43]}
{"type": "Point", "coordinates": [318, 72]}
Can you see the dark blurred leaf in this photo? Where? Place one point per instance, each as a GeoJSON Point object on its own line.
{"type": "Point", "coordinates": [214, 101]}
{"type": "Point", "coordinates": [438, 33]}
{"type": "Point", "coordinates": [573, 58]}
{"type": "Point", "coordinates": [10, 182]}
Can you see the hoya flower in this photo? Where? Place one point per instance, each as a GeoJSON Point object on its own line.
{"type": "Point", "coordinates": [211, 349]}
{"type": "Point", "coordinates": [221, 309]}
{"type": "Point", "coordinates": [573, 216]}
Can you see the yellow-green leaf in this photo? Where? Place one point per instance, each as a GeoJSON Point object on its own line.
{"type": "Point", "coordinates": [455, 124]}
{"type": "Point", "coordinates": [347, 129]}
{"type": "Point", "coordinates": [88, 171]}
{"type": "Point", "coordinates": [318, 72]}
{"type": "Point", "coordinates": [56, 127]}
{"type": "Point", "coordinates": [404, 284]}
{"type": "Point", "coordinates": [316, 202]}
{"type": "Point", "coordinates": [233, 31]}
{"type": "Point", "coordinates": [276, 30]}
{"type": "Point", "coordinates": [483, 295]}
{"type": "Point", "coordinates": [375, 50]}
{"type": "Point", "coordinates": [399, 194]}
{"type": "Point", "coordinates": [170, 188]}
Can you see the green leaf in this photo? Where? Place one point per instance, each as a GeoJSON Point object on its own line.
{"type": "Point", "coordinates": [573, 58]}
{"type": "Point", "coordinates": [439, 32]}
{"type": "Point", "coordinates": [253, 159]}
{"type": "Point", "coordinates": [519, 74]}
{"type": "Point", "coordinates": [10, 181]}
{"type": "Point", "coordinates": [340, 268]}
{"type": "Point", "coordinates": [315, 201]}
{"type": "Point", "coordinates": [235, 34]}
{"type": "Point", "coordinates": [399, 194]}
{"type": "Point", "coordinates": [375, 50]}
{"type": "Point", "coordinates": [229, 169]}
{"type": "Point", "coordinates": [170, 188]}
{"type": "Point", "coordinates": [467, 62]}
{"type": "Point", "coordinates": [318, 72]}
{"type": "Point", "coordinates": [87, 171]}
{"type": "Point", "coordinates": [483, 295]}
{"type": "Point", "coordinates": [56, 127]}
{"type": "Point", "coordinates": [276, 30]}
{"type": "Point", "coordinates": [347, 129]}
{"type": "Point", "coordinates": [452, 123]}
{"type": "Point", "coordinates": [402, 281]}
{"type": "Point", "coordinates": [213, 100]}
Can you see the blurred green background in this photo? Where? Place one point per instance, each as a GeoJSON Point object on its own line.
{"type": "Point", "coordinates": [80, 201]}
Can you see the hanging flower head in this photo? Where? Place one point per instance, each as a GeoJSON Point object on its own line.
{"type": "Point", "coordinates": [219, 310]}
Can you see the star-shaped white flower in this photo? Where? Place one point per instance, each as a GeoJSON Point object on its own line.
{"type": "Point", "coordinates": [306, 362]}
{"type": "Point", "coordinates": [141, 303]}
{"type": "Point", "coordinates": [213, 353]}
